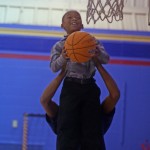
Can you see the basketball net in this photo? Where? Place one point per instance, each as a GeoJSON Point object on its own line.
{"type": "Point", "coordinates": [104, 9]}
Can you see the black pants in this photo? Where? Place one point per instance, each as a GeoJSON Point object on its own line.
{"type": "Point", "coordinates": [79, 117]}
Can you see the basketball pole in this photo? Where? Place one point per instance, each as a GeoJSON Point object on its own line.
{"type": "Point", "coordinates": [25, 132]}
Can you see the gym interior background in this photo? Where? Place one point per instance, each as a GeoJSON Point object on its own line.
{"type": "Point", "coordinates": [28, 29]}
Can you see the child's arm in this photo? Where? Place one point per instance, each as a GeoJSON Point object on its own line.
{"type": "Point", "coordinates": [49, 106]}
{"type": "Point", "coordinates": [58, 57]}
{"type": "Point", "coordinates": [114, 93]}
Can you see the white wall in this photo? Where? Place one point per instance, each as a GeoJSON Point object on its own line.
{"type": "Point", "coordinates": [49, 13]}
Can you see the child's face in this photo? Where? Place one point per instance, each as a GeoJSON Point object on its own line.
{"type": "Point", "coordinates": [72, 22]}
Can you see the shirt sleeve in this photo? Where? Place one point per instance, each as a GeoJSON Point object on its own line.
{"type": "Point", "coordinates": [52, 122]}
{"type": "Point", "coordinates": [107, 120]}
{"type": "Point", "coordinates": [104, 56]}
{"type": "Point", "coordinates": [57, 60]}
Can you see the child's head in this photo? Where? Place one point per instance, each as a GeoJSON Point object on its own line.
{"type": "Point", "coordinates": [71, 21]}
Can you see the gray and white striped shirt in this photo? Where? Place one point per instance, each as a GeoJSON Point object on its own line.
{"type": "Point", "coordinates": [78, 70]}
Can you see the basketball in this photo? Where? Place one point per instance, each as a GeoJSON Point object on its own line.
{"type": "Point", "coordinates": [80, 46]}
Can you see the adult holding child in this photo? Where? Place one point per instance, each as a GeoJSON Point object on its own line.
{"type": "Point", "coordinates": [78, 125]}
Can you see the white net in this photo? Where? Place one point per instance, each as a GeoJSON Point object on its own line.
{"type": "Point", "coordinates": [104, 9]}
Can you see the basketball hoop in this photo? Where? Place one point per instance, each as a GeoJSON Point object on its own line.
{"type": "Point", "coordinates": [104, 9]}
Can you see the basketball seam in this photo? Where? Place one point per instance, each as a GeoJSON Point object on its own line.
{"type": "Point", "coordinates": [79, 54]}
{"type": "Point", "coordinates": [72, 44]}
{"type": "Point", "coordinates": [81, 47]}
{"type": "Point", "coordinates": [82, 39]}
{"type": "Point", "coordinates": [73, 48]}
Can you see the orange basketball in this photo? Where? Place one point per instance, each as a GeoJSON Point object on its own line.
{"type": "Point", "coordinates": [80, 46]}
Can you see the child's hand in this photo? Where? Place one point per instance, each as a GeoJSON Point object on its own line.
{"type": "Point", "coordinates": [95, 56]}
{"type": "Point", "coordinates": [64, 54]}
{"type": "Point", "coordinates": [96, 52]}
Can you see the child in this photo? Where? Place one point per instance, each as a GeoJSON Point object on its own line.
{"type": "Point", "coordinates": [78, 116]}
{"type": "Point", "coordinates": [107, 108]}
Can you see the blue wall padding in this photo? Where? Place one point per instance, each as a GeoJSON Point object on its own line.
{"type": "Point", "coordinates": [44, 45]}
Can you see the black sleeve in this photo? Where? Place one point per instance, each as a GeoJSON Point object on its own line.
{"type": "Point", "coordinates": [107, 120]}
{"type": "Point", "coordinates": [52, 122]}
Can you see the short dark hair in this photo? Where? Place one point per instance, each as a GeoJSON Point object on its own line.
{"type": "Point", "coordinates": [68, 12]}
